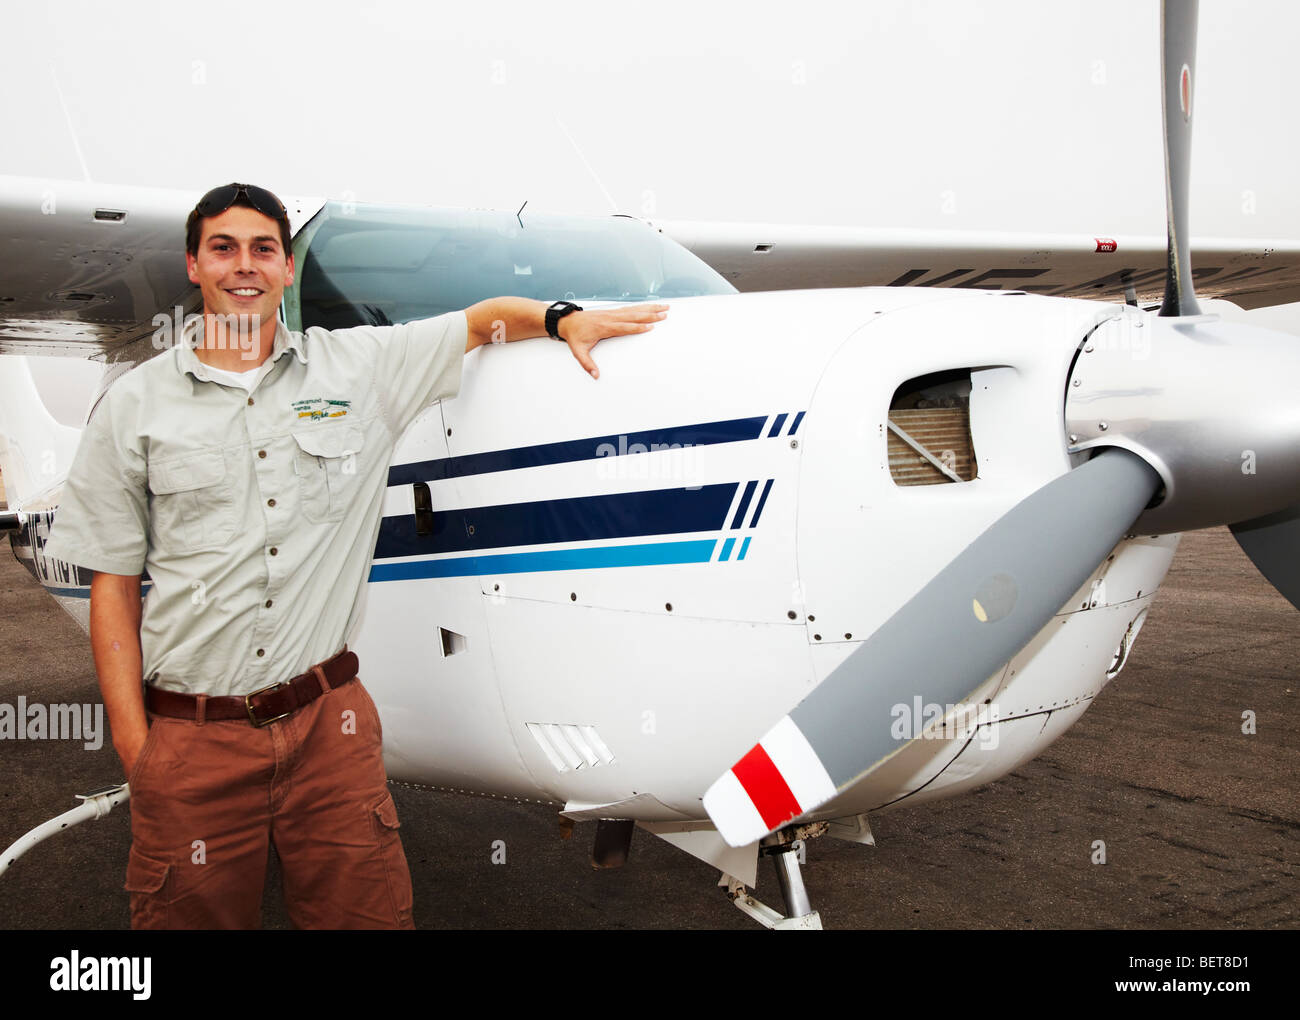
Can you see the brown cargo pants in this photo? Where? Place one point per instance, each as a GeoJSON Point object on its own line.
{"type": "Point", "coordinates": [208, 798]}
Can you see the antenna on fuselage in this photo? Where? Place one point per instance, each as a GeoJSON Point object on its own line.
{"type": "Point", "coordinates": [590, 169]}
{"type": "Point", "coordinates": [72, 130]}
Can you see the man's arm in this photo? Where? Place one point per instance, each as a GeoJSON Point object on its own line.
{"type": "Point", "coordinates": [115, 642]}
{"type": "Point", "coordinates": [501, 320]}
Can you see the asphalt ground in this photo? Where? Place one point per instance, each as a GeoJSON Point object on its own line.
{"type": "Point", "coordinates": [1200, 821]}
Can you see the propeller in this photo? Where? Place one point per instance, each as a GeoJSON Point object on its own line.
{"type": "Point", "coordinates": [972, 617]}
{"type": "Point", "coordinates": [1177, 63]}
{"type": "Point", "coordinates": [1175, 434]}
{"type": "Point", "coordinates": [1273, 544]}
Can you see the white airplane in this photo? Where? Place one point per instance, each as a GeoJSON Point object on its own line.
{"type": "Point", "coordinates": [800, 555]}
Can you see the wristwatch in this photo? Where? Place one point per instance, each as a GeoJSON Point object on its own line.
{"type": "Point", "coordinates": [557, 312]}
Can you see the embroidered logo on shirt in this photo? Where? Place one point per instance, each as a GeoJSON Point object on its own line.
{"type": "Point", "coordinates": [319, 407]}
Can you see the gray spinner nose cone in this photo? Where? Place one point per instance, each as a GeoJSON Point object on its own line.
{"type": "Point", "coordinates": [1212, 406]}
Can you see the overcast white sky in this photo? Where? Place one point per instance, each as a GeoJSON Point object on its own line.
{"type": "Point", "coordinates": [994, 115]}
{"type": "Point", "coordinates": [952, 115]}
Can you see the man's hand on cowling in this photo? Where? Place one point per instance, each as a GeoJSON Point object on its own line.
{"type": "Point", "coordinates": [583, 330]}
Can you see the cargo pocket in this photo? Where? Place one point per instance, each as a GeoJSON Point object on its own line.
{"type": "Point", "coordinates": [385, 825]}
{"type": "Point", "coordinates": [193, 507]}
{"type": "Point", "coordinates": [147, 882]}
{"type": "Point", "coordinates": [326, 465]}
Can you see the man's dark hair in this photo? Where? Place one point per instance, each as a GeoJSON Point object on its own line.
{"type": "Point", "coordinates": [194, 223]}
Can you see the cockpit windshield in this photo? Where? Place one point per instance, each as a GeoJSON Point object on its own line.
{"type": "Point", "coordinates": [384, 264]}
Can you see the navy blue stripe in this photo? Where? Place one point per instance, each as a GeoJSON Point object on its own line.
{"type": "Point", "coordinates": [706, 434]}
{"type": "Point", "coordinates": [578, 519]}
{"type": "Point", "coordinates": [776, 425]}
{"type": "Point", "coordinates": [744, 503]}
{"type": "Point", "coordinates": [761, 500]}
{"type": "Point", "coordinates": [797, 419]}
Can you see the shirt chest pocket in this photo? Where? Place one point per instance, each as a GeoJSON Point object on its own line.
{"type": "Point", "coordinates": [326, 465]}
{"type": "Point", "coordinates": [193, 507]}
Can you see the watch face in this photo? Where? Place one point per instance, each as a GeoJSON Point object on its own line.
{"type": "Point", "coordinates": [555, 313]}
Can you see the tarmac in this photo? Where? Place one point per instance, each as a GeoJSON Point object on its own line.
{"type": "Point", "coordinates": [1198, 820]}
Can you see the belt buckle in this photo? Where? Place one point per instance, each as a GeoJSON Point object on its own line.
{"type": "Point", "coordinates": [249, 707]}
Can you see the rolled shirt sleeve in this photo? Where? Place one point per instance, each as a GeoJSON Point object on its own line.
{"type": "Point", "coordinates": [102, 522]}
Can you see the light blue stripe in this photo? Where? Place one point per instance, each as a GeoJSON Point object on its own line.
{"type": "Point", "coordinates": [726, 549]}
{"type": "Point", "coordinates": [651, 554]}
{"type": "Point", "coordinates": [744, 547]}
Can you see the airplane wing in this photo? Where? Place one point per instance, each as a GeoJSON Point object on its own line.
{"type": "Point", "coordinates": [87, 267]}
{"type": "Point", "coordinates": [84, 268]}
{"type": "Point", "coordinates": [756, 256]}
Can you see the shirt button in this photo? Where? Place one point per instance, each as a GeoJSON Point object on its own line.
{"type": "Point", "coordinates": [270, 502]}
{"type": "Point", "coordinates": [261, 652]}
{"type": "Point", "coordinates": [274, 550]}
{"type": "Point", "coordinates": [268, 603]}
{"type": "Point", "coordinates": [261, 453]}
{"type": "Point", "coordinates": [250, 401]}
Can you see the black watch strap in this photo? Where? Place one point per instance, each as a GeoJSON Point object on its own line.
{"type": "Point", "coordinates": [557, 312]}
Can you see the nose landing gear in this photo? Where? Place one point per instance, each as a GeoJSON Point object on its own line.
{"type": "Point", "coordinates": [786, 848]}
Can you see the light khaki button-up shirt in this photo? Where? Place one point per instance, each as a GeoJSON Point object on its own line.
{"type": "Point", "coordinates": [255, 513]}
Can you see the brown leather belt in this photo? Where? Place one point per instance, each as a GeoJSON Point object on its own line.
{"type": "Point", "coordinates": [260, 707]}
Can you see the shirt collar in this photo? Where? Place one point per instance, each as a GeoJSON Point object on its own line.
{"type": "Point", "coordinates": [192, 334]}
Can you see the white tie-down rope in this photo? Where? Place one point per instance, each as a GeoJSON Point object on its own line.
{"type": "Point", "coordinates": [94, 805]}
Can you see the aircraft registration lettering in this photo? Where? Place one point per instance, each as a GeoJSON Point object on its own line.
{"type": "Point", "coordinates": [1116, 280]}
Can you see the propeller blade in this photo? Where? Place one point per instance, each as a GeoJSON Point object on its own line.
{"type": "Point", "coordinates": [1273, 544]}
{"type": "Point", "coordinates": [971, 618]}
{"type": "Point", "coordinates": [1178, 61]}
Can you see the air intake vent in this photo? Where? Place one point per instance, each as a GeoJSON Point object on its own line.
{"type": "Point", "coordinates": [929, 430]}
{"type": "Point", "coordinates": [570, 747]}
{"type": "Point", "coordinates": [452, 643]}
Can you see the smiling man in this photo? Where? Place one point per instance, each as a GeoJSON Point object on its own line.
{"type": "Point", "coordinates": [233, 701]}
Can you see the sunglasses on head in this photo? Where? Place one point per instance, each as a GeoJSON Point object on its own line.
{"type": "Point", "coordinates": [218, 200]}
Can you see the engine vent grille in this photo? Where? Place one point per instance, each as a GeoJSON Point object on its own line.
{"type": "Point", "coordinates": [571, 747]}
{"type": "Point", "coordinates": [944, 432]}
